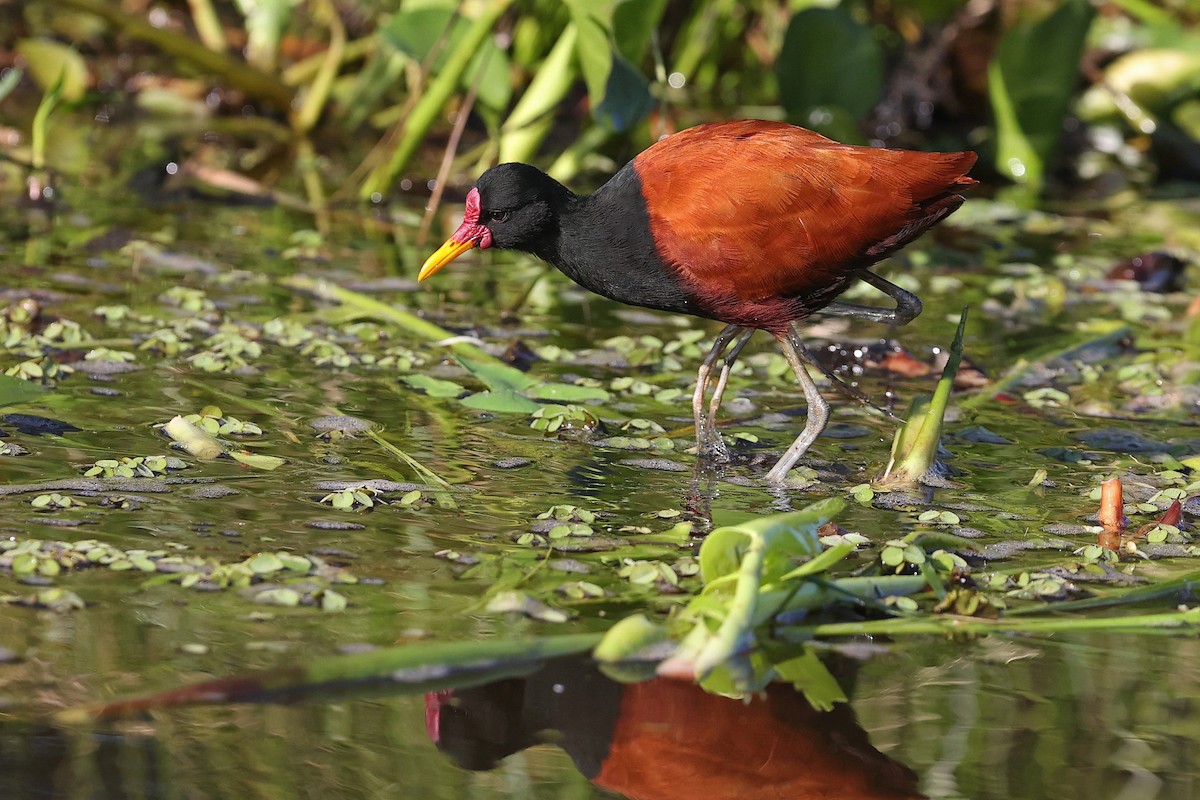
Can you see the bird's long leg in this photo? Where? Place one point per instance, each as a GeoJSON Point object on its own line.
{"type": "Point", "coordinates": [719, 392]}
{"type": "Point", "coordinates": [845, 388]}
{"type": "Point", "coordinates": [908, 305]}
{"type": "Point", "coordinates": [818, 410]}
{"type": "Point", "coordinates": [708, 441]}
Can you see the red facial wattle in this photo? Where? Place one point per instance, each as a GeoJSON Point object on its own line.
{"type": "Point", "coordinates": [471, 233]}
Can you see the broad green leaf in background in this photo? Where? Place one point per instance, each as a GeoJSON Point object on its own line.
{"type": "Point", "coordinates": [633, 23]}
{"type": "Point", "coordinates": [594, 50]}
{"type": "Point", "coordinates": [619, 93]}
{"type": "Point", "coordinates": [828, 61]}
{"type": "Point", "coordinates": [14, 390]}
{"type": "Point", "coordinates": [1031, 81]}
{"type": "Point", "coordinates": [438, 92]}
{"type": "Point", "coordinates": [626, 97]}
{"type": "Point", "coordinates": [415, 33]}
{"type": "Point", "coordinates": [48, 61]}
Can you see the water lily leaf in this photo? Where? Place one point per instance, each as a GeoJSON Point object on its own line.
{"type": "Point", "coordinates": [434, 387]}
{"type": "Point", "coordinates": [265, 563]}
{"type": "Point", "coordinates": [501, 401]}
{"type": "Point", "coordinates": [289, 598]}
{"type": "Point", "coordinates": [332, 601]}
{"type": "Point", "coordinates": [14, 390]}
{"type": "Point", "coordinates": [498, 376]}
{"type": "Point", "coordinates": [567, 393]}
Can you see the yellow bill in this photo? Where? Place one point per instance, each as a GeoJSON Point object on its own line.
{"type": "Point", "coordinates": [443, 256]}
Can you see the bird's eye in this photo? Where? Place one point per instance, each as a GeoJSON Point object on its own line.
{"type": "Point", "coordinates": [498, 216]}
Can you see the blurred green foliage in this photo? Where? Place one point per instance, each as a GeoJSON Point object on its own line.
{"type": "Point", "coordinates": [570, 84]}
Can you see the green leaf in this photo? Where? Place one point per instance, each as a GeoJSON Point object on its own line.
{"type": "Point", "coordinates": [808, 674]}
{"type": "Point", "coordinates": [49, 61]}
{"type": "Point", "coordinates": [498, 376]}
{"type": "Point", "coordinates": [265, 563]}
{"type": "Point", "coordinates": [257, 461]}
{"type": "Point", "coordinates": [194, 440]}
{"type": "Point", "coordinates": [821, 563]}
{"type": "Point", "coordinates": [828, 60]}
{"type": "Point", "coordinates": [289, 598]}
{"type": "Point", "coordinates": [627, 98]}
{"type": "Point", "coordinates": [14, 390]}
{"type": "Point", "coordinates": [434, 387]}
{"type": "Point", "coordinates": [414, 32]}
{"type": "Point", "coordinates": [332, 601]}
{"type": "Point", "coordinates": [594, 49]}
{"type": "Point", "coordinates": [1031, 82]}
{"type": "Point", "coordinates": [633, 23]}
{"type": "Point", "coordinates": [566, 393]}
{"type": "Point", "coordinates": [503, 402]}
{"type": "Point", "coordinates": [785, 535]}
{"type": "Point", "coordinates": [9, 81]}
{"type": "Point", "coordinates": [633, 638]}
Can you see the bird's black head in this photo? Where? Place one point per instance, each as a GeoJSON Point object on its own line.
{"type": "Point", "coordinates": [519, 204]}
{"type": "Point", "coordinates": [513, 207]}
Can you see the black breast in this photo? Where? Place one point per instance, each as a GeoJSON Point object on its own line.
{"type": "Point", "coordinates": [604, 244]}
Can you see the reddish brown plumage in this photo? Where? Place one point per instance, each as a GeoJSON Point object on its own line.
{"type": "Point", "coordinates": [756, 224]}
{"type": "Point", "coordinates": [787, 214]}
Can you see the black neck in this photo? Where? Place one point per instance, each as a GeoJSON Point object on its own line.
{"type": "Point", "coordinates": [604, 244]}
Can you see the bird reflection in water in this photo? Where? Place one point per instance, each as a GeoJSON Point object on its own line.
{"type": "Point", "coordinates": [666, 739]}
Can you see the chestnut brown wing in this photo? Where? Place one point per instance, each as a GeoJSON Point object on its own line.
{"type": "Point", "coordinates": [758, 210]}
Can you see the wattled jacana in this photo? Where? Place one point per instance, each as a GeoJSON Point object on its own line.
{"type": "Point", "coordinates": [756, 224]}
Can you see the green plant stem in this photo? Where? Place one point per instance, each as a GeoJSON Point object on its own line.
{"type": "Point", "coordinates": [570, 162]}
{"type": "Point", "coordinates": [306, 70]}
{"type": "Point", "coordinates": [1180, 588]}
{"type": "Point", "coordinates": [208, 25]}
{"type": "Point", "coordinates": [41, 122]}
{"type": "Point", "coordinates": [370, 307]}
{"type": "Point", "coordinates": [429, 108]}
{"type": "Point", "coordinates": [443, 498]}
{"type": "Point", "coordinates": [974, 625]}
{"type": "Point", "coordinates": [236, 73]}
{"type": "Point", "coordinates": [317, 95]}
